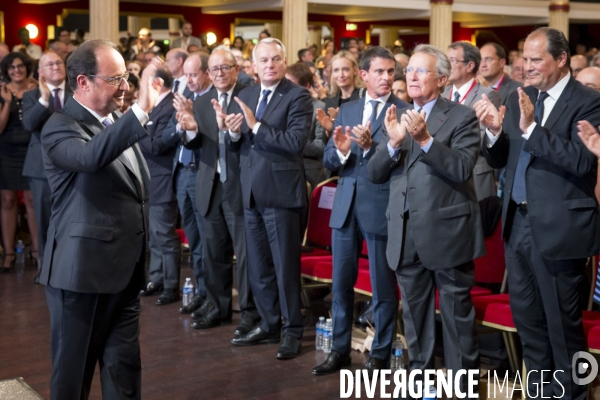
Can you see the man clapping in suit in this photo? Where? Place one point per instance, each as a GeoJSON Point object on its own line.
{"type": "Point", "coordinates": [434, 225]}
{"type": "Point", "coordinates": [270, 130]}
{"type": "Point", "coordinates": [94, 263]}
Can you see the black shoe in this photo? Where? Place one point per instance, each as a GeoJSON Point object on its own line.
{"type": "Point", "coordinates": [168, 296]}
{"type": "Point", "coordinates": [366, 317]}
{"type": "Point", "coordinates": [211, 320]}
{"type": "Point", "coordinates": [289, 348]}
{"type": "Point", "coordinates": [151, 289]}
{"type": "Point", "coordinates": [206, 308]}
{"type": "Point", "coordinates": [374, 363]}
{"type": "Point", "coordinates": [195, 304]}
{"type": "Point", "coordinates": [334, 362]}
{"type": "Point", "coordinates": [246, 324]}
{"type": "Point", "coordinates": [256, 336]}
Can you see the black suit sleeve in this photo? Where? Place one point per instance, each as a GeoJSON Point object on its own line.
{"type": "Point", "coordinates": [69, 151]}
{"type": "Point", "coordinates": [153, 143]}
{"type": "Point", "coordinates": [35, 114]}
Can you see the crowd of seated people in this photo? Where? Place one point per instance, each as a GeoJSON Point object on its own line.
{"type": "Point", "coordinates": [239, 129]}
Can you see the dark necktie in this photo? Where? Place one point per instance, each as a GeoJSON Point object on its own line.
{"type": "Point", "coordinates": [263, 104]}
{"type": "Point", "coordinates": [222, 151]}
{"type": "Point", "coordinates": [373, 117]}
{"type": "Point", "coordinates": [456, 97]}
{"type": "Point", "coordinates": [56, 100]}
{"type": "Point", "coordinates": [519, 190]}
{"type": "Point", "coordinates": [175, 86]}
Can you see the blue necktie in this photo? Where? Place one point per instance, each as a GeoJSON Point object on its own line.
{"type": "Point", "coordinates": [222, 150]}
{"type": "Point", "coordinates": [186, 156]}
{"type": "Point", "coordinates": [456, 97]}
{"type": "Point", "coordinates": [373, 117]}
{"type": "Point", "coordinates": [519, 192]}
{"type": "Point", "coordinates": [263, 104]}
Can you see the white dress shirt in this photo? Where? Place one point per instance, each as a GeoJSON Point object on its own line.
{"type": "Point", "coordinates": [61, 94]}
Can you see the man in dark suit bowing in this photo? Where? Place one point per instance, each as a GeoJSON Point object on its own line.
{"type": "Point", "coordinates": [434, 225]}
{"type": "Point", "coordinates": [270, 131]}
{"type": "Point", "coordinates": [94, 263]}
{"type": "Point", "coordinates": [38, 106]}
{"type": "Point", "coordinates": [165, 248]}
{"type": "Point", "coordinates": [219, 200]}
{"type": "Point", "coordinates": [550, 214]}
{"type": "Point", "coordinates": [359, 213]}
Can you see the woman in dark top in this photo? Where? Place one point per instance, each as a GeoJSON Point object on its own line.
{"type": "Point", "coordinates": [14, 140]}
{"type": "Point", "coordinates": [346, 85]}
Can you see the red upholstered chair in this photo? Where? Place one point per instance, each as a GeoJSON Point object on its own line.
{"type": "Point", "coordinates": [593, 340]}
{"type": "Point", "coordinates": [490, 268]}
{"type": "Point", "coordinates": [185, 247]}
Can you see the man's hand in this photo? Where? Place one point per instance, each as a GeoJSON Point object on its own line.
{"type": "Point", "coordinates": [248, 114]}
{"type": "Point", "coordinates": [527, 111]}
{"type": "Point", "coordinates": [396, 131]}
{"type": "Point", "coordinates": [220, 115]}
{"type": "Point", "coordinates": [488, 116]}
{"type": "Point", "coordinates": [362, 136]}
{"type": "Point", "coordinates": [342, 141]}
{"type": "Point", "coordinates": [44, 91]}
{"type": "Point", "coordinates": [150, 87]}
{"type": "Point", "coordinates": [482, 81]}
{"type": "Point", "coordinates": [186, 121]}
{"type": "Point", "coordinates": [589, 136]}
{"type": "Point", "coordinates": [182, 104]}
{"type": "Point", "coordinates": [416, 126]}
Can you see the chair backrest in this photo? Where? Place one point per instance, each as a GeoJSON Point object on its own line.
{"type": "Point", "coordinates": [490, 268]}
{"type": "Point", "coordinates": [595, 284]}
{"type": "Point", "coordinates": [318, 232]}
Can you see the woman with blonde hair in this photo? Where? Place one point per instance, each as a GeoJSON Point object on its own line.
{"type": "Point", "coordinates": [345, 85]}
{"type": "Point", "coordinates": [247, 51]}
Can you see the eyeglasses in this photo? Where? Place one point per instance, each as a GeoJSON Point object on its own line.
{"type": "Point", "coordinates": [223, 68]}
{"type": "Point", "coordinates": [454, 61]}
{"type": "Point", "coordinates": [115, 81]}
{"type": "Point", "coordinates": [18, 66]}
{"type": "Point", "coordinates": [54, 64]}
{"type": "Point", "coordinates": [418, 71]}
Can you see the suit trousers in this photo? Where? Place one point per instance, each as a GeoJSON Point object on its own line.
{"type": "Point", "coordinates": [544, 299]}
{"type": "Point", "coordinates": [273, 243]}
{"type": "Point", "coordinates": [347, 247]}
{"type": "Point", "coordinates": [165, 249]}
{"type": "Point", "coordinates": [40, 190]}
{"type": "Point", "coordinates": [185, 181]}
{"type": "Point", "coordinates": [87, 328]}
{"type": "Point", "coordinates": [222, 227]}
{"type": "Point", "coordinates": [417, 288]}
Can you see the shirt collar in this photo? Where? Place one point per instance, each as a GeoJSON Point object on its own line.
{"type": "Point", "coordinates": [382, 99]}
{"type": "Point", "coordinates": [95, 114]}
{"type": "Point", "coordinates": [557, 89]}
{"type": "Point", "coordinates": [463, 89]}
{"type": "Point", "coordinates": [202, 92]}
{"type": "Point", "coordinates": [52, 87]}
{"type": "Point", "coordinates": [161, 97]}
{"type": "Point", "coordinates": [427, 107]}
{"type": "Point", "coordinates": [229, 94]}
{"type": "Point", "coordinates": [271, 88]}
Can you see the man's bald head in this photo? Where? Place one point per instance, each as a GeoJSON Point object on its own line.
{"type": "Point", "coordinates": [578, 63]}
{"type": "Point", "coordinates": [590, 77]}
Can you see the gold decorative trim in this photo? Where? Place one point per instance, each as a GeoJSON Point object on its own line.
{"type": "Point", "coordinates": [2, 38]}
{"type": "Point", "coordinates": [68, 11]}
{"type": "Point", "coordinates": [256, 21]}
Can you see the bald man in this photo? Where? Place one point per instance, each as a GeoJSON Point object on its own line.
{"type": "Point", "coordinates": [578, 63]}
{"type": "Point", "coordinates": [590, 77]}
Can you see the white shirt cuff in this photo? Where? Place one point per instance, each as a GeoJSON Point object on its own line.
{"type": "Point", "coordinates": [530, 129]}
{"type": "Point", "coordinates": [234, 136]}
{"type": "Point", "coordinates": [427, 145]}
{"type": "Point", "coordinates": [44, 102]}
{"type": "Point", "coordinates": [256, 126]}
{"type": "Point", "coordinates": [491, 138]}
{"type": "Point", "coordinates": [140, 115]}
{"type": "Point", "coordinates": [343, 158]}
{"type": "Point", "coordinates": [190, 135]}
{"type": "Point", "coordinates": [392, 151]}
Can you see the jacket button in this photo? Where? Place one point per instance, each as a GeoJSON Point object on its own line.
{"type": "Point", "coordinates": [251, 146]}
{"type": "Point", "coordinates": [140, 233]}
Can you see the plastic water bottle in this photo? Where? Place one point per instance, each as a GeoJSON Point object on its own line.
{"type": "Point", "coordinates": [20, 253]}
{"type": "Point", "coordinates": [320, 329]}
{"type": "Point", "coordinates": [327, 336]}
{"type": "Point", "coordinates": [397, 359]}
{"type": "Point", "coordinates": [188, 291]}
{"type": "Point", "coordinates": [430, 393]}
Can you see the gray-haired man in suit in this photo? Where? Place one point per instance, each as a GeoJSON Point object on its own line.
{"type": "Point", "coordinates": [434, 226]}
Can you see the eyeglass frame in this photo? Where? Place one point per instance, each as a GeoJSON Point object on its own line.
{"type": "Point", "coordinates": [216, 70]}
{"type": "Point", "coordinates": [109, 79]}
{"type": "Point", "coordinates": [18, 66]}
{"type": "Point", "coordinates": [454, 61]}
{"type": "Point", "coordinates": [54, 64]}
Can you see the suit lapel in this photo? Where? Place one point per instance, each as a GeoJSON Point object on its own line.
{"type": "Point", "coordinates": [435, 121]}
{"type": "Point", "coordinates": [472, 95]}
{"type": "Point", "coordinates": [562, 103]}
{"type": "Point", "coordinates": [276, 98]}
{"type": "Point", "coordinates": [379, 121]}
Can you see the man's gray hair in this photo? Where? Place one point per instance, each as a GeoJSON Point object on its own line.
{"type": "Point", "coordinates": [442, 65]}
{"type": "Point", "coordinates": [266, 41]}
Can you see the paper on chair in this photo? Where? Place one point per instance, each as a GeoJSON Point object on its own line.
{"type": "Point", "coordinates": [326, 199]}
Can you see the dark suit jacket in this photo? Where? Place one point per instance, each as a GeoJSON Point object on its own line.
{"type": "Point", "coordinates": [96, 233]}
{"type": "Point", "coordinates": [354, 185]}
{"type": "Point", "coordinates": [208, 140]}
{"type": "Point", "coordinates": [508, 86]}
{"type": "Point", "coordinates": [334, 102]}
{"type": "Point", "coordinates": [444, 212]}
{"type": "Point", "coordinates": [272, 171]}
{"type": "Point", "coordinates": [35, 116]}
{"type": "Point", "coordinates": [561, 175]}
{"type": "Point", "coordinates": [158, 155]}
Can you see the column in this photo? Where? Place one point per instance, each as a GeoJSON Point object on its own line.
{"type": "Point", "coordinates": [275, 30]}
{"type": "Point", "coordinates": [134, 24]}
{"type": "Point", "coordinates": [440, 23]}
{"type": "Point", "coordinates": [315, 36]}
{"type": "Point", "coordinates": [559, 16]}
{"type": "Point", "coordinates": [174, 27]}
{"type": "Point", "coordinates": [387, 36]}
{"type": "Point", "coordinates": [104, 20]}
{"type": "Point", "coordinates": [295, 29]}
